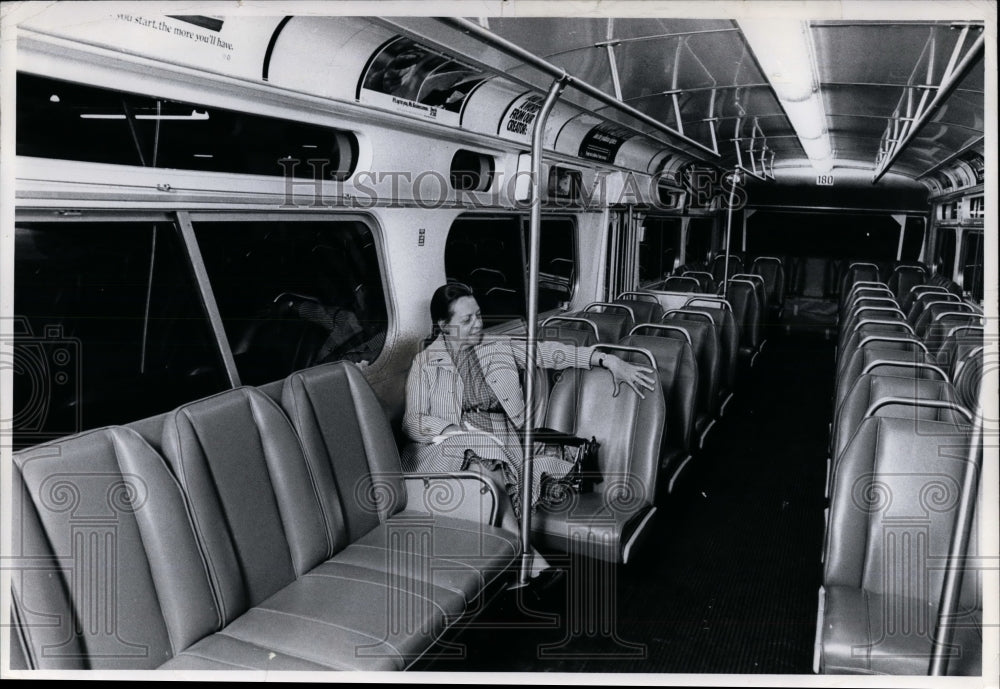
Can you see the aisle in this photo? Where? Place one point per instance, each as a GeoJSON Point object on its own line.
{"type": "Point", "coordinates": [727, 582]}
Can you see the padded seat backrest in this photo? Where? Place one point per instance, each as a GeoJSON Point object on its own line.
{"type": "Point", "coordinates": [629, 429]}
{"type": "Point", "coordinates": [719, 271]}
{"type": "Point", "coordinates": [678, 373]}
{"type": "Point", "coordinates": [904, 278]}
{"type": "Point", "coordinates": [893, 487]}
{"type": "Point", "coordinates": [968, 377]}
{"type": "Point", "coordinates": [957, 344]}
{"type": "Point", "coordinates": [917, 291]}
{"type": "Point", "coordinates": [870, 388]}
{"type": "Point", "coordinates": [348, 444]}
{"type": "Point", "coordinates": [884, 362]}
{"type": "Point", "coordinates": [942, 324]}
{"type": "Point", "coordinates": [746, 310]}
{"type": "Point", "coordinates": [880, 336]}
{"type": "Point", "coordinates": [675, 283]}
{"type": "Point", "coordinates": [704, 278]}
{"type": "Point", "coordinates": [773, 272]}
{"type": "Point", "coordinates": [108, 573]}
{"type": "Point", "coordinates": [917, 306]}
{"type": "Point", "coordinates": [611, 325]}
{"type": "Point", "coordinates": [646, 311]}
{"type": "Point", "coordinates": [729, 342]}
{"type": "Point", "coordinates": [856, 272]}
{"type": "Point", "coordinates": [569, 332]}
{"type": "Point", "coordinates": [704, 342]}
{"type": "Point", "coordinates": [250, 493]}
{"type": "Point", "coordinates": [933, 310]}
{"type": "Point", "coordinates": [812, 277]}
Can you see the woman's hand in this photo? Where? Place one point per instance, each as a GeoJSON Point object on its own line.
{"type": "Point", "coordinates": [634, 376]}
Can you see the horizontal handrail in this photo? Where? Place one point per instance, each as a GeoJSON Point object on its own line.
{"type": "Point", "coordinates": [690, 312]}
{"type": "Point", "coordinates": [709, 300]}
{"type": "Point", "coordinates": [904, 364]}
{"type": "Point", "coordinates": [529, 58]}
{"type": "Point", "coordinates": [573, 319]}
{"type": "Point", "coordinates": [917, 402]}
{"type": "Point", "coordinates": [875, 321]}
{"type": "Point", "coordinates": [649, 295]}
{"type": "Point", "coordinates": [628, 348]}
{"type": "Point", "coordinates": [663, 326]}
{"type": "Point", "coordinates": [610, 305]}
{"type": "Point", "coordinates": [890, 338]}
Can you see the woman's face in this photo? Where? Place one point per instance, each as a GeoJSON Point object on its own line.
{"type": "Point", "coordinates": [466, 323]}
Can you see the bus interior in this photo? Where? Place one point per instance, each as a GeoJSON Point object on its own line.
{"type": "Point", "coordinates": [221, 235]}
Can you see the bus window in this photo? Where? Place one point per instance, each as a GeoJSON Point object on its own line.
{"type": "Point", "coordinates": [556, 261]}
{"type": "Point", "coordinates": [699, 242]}
{"type": "Point", "coordinates": [490, 255]}
{"type": "Point", "coordinates": [972, 265]}
{"type": "Point", "coordinates": [659, 248]}
{"type": "Point", "coordinates": [486, 254]}
{"type": "Point", "coordinates": [58, 119]}
{"type": "Point", "coordinates": [913, 239]}
{"type": "Point", "coordinates": [944, 252]}
{"type": "Point", "coordinates": [293, 294]}
{"type": "Point", "coordinates": [109, 328]}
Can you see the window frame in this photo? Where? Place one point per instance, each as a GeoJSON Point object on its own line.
{"type": "Point", "coordinates": [234, 215]}
{"type": "Point", "coordinates": [524, 223]}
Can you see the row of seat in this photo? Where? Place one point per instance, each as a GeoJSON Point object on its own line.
{"type": "Point", "coordinates": [258, 529]}
{"type": "Point", "coordinates": [697, 344]}
{"type": "Point", "coordinates": [899, 445]}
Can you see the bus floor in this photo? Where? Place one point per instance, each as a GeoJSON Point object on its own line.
{"type": "Point", "coordinates": [727, 580]}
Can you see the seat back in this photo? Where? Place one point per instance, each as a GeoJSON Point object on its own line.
{"type": "Point", "coordinates": [704, 343]}
{"type": "Point", "coordinates": [772, 271]}
{"type": "Point", "coordinates": [883, 361]}
{"type": "Point", "coordinates": [904, 278]}
{"type": "Point", "coordinates": [870, 388]}
{"type": "Point", "coordinates": [629, 428]}
{"type": "Point", "coordinates": [729, 342]}
{"type": "Point", "coordinates": [676, 283]}
{"type": "Point", "coordinates": [109, 574]}
{"type": "Point", "coordinates": [348, 444]}
{"type": "Point", "coordinates": [644, 310]}
{"type": "Point", "coordinates": [611, 325]}
{"type": "Point", "coordinates": [720, 272]}
{"type": "Point", "coordinates": [894, 487]}
{"type": "Point", "coordinates": [251, 495]}
{"type": "Point", "coordinates": [932, 310]}
{"type": "Point", "coordinates": [678, 374]}
{"type": "Point", "coordinates": [943, 323]}
{"type": "Point", "coordinates": [856, 272]}
{"type": "Point", "coordinates": [704, 278]}
{"type": "Point", "coordinates": [746, 310]}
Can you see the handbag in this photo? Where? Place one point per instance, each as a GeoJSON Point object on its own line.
{"type": "Point", "coordinates": [580, 454]}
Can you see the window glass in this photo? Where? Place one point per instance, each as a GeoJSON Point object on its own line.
{"type": "Point", "coordinates": [834, 235]}
{"type": "Point", "coordinates": [972, 262]}
{"type": "Point", "coordinates": [489, 253]}
{"type": "Point", "coordinates": [109, 327]}
{"type": "Point", "coordinates": [659, 248]}
{"type": "Point", "coordinates": [293, 294]}
{"type": "Point", "coordinates": [699, 242]}
{"type": "Point", "coordinates": [944, 252]}
{"type": "Point", "coordinates": [58, 119]}
{"type": "Point", "coordinates": [913, 240]}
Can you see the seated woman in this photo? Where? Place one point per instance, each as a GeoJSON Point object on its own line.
{"type": "Point", "coordinates": [464, 393]}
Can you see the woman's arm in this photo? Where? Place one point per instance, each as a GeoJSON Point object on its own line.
{"type": "Point", "coordinates": [556, 355]}
{"type": "Point", "coordinates": [622, 371]}
{"type": "Point", "coordinates": [418, 422]}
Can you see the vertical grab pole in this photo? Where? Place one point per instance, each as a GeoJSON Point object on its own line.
{"type": "Point", "coordinates": [534, 231]}
{"type": "Point", "coordinates": [951, 589]}
{"type": "Point", "coordinates": [729, 229]}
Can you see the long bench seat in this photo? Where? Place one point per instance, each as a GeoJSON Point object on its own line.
{"type": "Point", "coordinates": [254, 538]}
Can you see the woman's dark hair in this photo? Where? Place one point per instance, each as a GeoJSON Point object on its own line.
{"type": "Point", "coordinates": [441, 303]}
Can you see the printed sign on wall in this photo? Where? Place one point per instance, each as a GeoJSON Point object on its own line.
{"type": "Point", "coordinates": [603, 141]}
{"type": "Point", "coordinates": [410, 78]}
